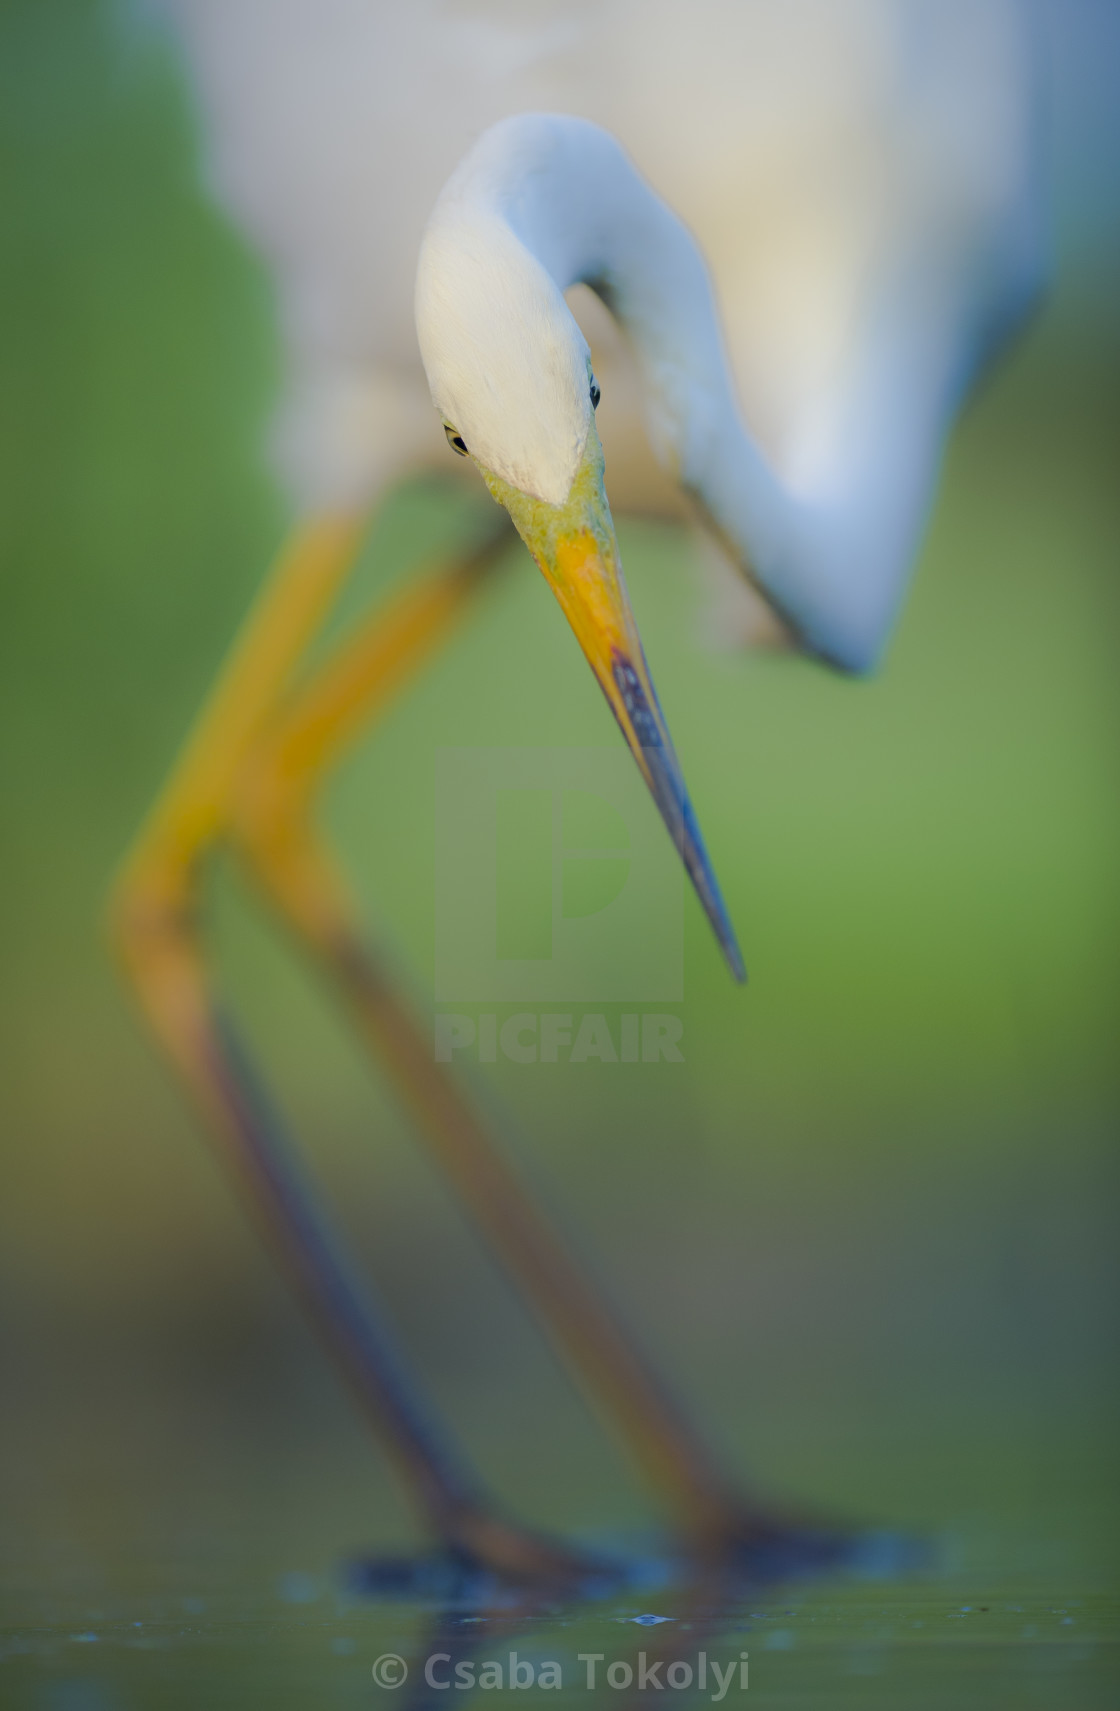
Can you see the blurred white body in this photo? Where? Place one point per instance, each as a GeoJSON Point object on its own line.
{"type": "Point", "coordinates": [859, 176]}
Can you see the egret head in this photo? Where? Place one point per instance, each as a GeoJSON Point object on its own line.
{"type": "Point", "coordinates": [510, 374]}
{"type": "Point", "coordinates": [509, 369]}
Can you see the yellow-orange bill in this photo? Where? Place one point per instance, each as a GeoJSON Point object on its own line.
{"type": "Point", "coordinates": [574, 545]}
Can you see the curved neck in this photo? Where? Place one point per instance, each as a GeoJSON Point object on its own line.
{"type": "Point", "coordinates": [558, 196]}
{"type": "Point", "coordinates": [571, 196]}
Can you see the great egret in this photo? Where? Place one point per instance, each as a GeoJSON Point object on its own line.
{"type": "Point", "coordinates": [803, 226]}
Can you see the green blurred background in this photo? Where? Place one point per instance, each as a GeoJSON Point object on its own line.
{"type": "Point", "coordinates": [869, 1223]}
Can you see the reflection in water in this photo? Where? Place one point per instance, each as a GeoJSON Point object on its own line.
{"type": "Point", "coordinates": [875, 1636]}
{"type": "Point", "coordinates": [693, 1646]}
{"type": "Point", "coordinates": [698, 1651]}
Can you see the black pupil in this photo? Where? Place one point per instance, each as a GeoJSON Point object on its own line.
{"type": "Point", "coordinates": [595, 395]}
{"type": "Point", "coordinates": [455, 441]}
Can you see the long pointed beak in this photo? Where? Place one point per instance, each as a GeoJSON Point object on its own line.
{"type": "Point", "coordinates": [574, 544]}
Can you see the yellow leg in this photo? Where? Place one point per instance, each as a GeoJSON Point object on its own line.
{"type": "Point", "coordinates": [156, 929]}
{"type": "Point", "coordinates": [155, 903]}
{"type": "Point", "coordinates": [274, 829]}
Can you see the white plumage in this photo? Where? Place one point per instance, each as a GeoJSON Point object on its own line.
{"type": "Point", "coordinates": [859, 175]}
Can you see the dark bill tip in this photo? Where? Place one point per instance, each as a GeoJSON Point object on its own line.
{"type": "Point", "coordinates": [666, 782]}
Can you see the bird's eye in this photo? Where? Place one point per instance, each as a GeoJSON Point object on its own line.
{"type": "Point", "coordinates": [595, 393]}
{"type": "Point", "coordinates": [455, 440]}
